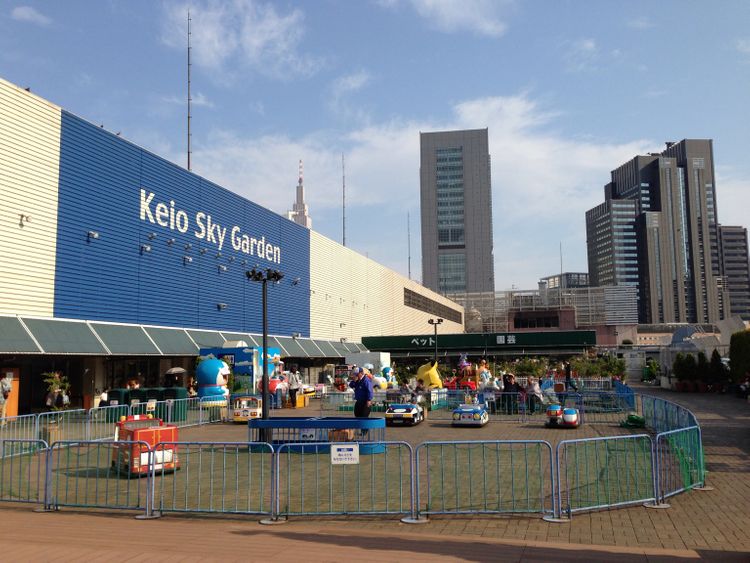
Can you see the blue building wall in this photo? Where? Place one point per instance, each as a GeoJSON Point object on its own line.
{"type": "Point", "coordinates": [112, 187]}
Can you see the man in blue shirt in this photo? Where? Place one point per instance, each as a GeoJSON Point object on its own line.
{"type": "Point", "coordinates": [362, 386]}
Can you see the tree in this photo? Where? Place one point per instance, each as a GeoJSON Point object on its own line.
{"type": "Point", "coordinates": [691, 368]}
{"type": "Point", "coordinates": [739, 355]}
{"type": "Point", "coordinates": [678, 367]}
{"type": "Point", "coordinates": [716, 369]}
{"type": "Point", "coordinates": [701, 370]}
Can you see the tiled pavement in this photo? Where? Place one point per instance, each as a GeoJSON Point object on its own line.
{"type": "Point", "coordinates": [713, 525]}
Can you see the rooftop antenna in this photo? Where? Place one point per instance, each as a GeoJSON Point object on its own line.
{"type": "Point", "coordinates": [343, 199]}
{"type": "Point", "coordinates": [559, 286]}
{"type": "Point", "coordinates": [189, 98]}
{"type": "Point", "coordinates": [408, 239]}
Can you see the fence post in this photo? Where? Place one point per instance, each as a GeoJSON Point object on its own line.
{"type": "Point", "coordinates": [557, 517]}
{"type": "Point", "coordinates": [47, 479]}
{"type": "Point", "coordinates": [150, 513]}
{"type": "Point", "coordinates": [414, 517]}
{"type": "Point", "coordinates": [658, 501]}
{"type": "Point", "coordinates": [704, 472]}
{"type": "Point", "coordinates": [275, 502]}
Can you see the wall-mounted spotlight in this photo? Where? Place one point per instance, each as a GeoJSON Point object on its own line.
{"type": "Point", "coordinates": [24, 219]}
{"type": "Point", "coordinates": [145, 248]}
{"type": "Point", "coordinates": [231, 258]}
{"type": "Point", "coordinates": [204, 250]}
{"type": "Point", "coordinates": [218, 254]}
{"type": "Point", "coordinates": [222, 268]}
{"type": "Point", "coordinates": [171, 241]}
{"type": "Point", "coordinates": [296, 335]}
{"type": "Point", "coordinates": [151, 236]}
{"type": "Point", "coordinates": [188, 246]}
{"type": "Point", "coordinates": [187, 259]}
{"type": "Point", "coordinates": [295, 281]}
{"type": "Point", "coordinates": [92, 235]}
{"type": "Point", "coordinates": [244, 262]}
{"type": "Point", "coordinates": [221, 306]}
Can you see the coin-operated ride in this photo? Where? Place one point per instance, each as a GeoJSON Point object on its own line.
{"type": "Point", "coordinates": [407, 414]}
{"type": "Point", "coordinates": [246, 407]}
{"type": "Point", "coordinates": [212, 376]}
{"type": "Point", "coordinates": [470, 414]}
{"type": "Point", "coordinates": [134, 436]}
{"type": "Point", "coordinates": [562, 417]}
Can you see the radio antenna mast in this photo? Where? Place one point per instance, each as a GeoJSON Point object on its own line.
{"type": "Point", "coordinates": [189, 98]}
{"type": "Point", "coordinates": [343, 199]}
{"type": "Point", "coordinates": [408, 239]}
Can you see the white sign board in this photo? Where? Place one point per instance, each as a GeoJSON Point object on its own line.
{"type": "Point", "coordinates": [344, 454]}
{"type": "Point", "coordinates": [307, 434]}
{"type": "Point", "coordinates": [151, 405]}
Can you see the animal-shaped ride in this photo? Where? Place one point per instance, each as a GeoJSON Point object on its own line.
{"type": "Point", "coordinates": [430, 376]}
{"type": "Point", "coordinates": [212, 376]}
{"type": "Point", "coordinates": [561, 417]}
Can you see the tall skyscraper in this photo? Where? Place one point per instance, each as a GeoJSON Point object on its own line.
{"type": "Point", "coordinates": [456, 209]}
{"type": "Point", "coordinates": [735, 269]}
{"type": "Point", "coordinates": [299, 214]}
{"type": "Point", "coordinates": [661, 234]}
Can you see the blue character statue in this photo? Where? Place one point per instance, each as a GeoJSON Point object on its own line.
{"type": "Point", "coordinates": [212, 378]}
{"type": "Point", "coordinates": [390, 377]}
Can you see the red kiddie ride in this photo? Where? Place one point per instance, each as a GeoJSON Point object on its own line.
{"type": "Point", "coordinates": [133, 458]}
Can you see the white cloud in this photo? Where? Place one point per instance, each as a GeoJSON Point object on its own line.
{"type": "Point", "coordinates": [732, 195]}
{"type": "Point", "coordinates": [641, 22]}
{"type": "Point", "coordinates": [228, 38]}
{"type": "Point", "coordinates": [483, 17]}
{"type": "Point", "coordinates": [543, 183]}
{"type": "Point", "coordinates": [30, 15]}
{"type": "Point", "coordinates": [743, 46]}
{"type": "Point", "coordinates": [581, 55]}
{"type": "Point", "coordinates": [198, 99]}
{"type": "Point", "coordinates": [340, 91]}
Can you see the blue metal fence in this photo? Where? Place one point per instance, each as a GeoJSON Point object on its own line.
{"type": "Point", "coordinates": [22, 470]}
{"type": "Point", "coordinates": [500, 477]}
{"type": "Point", "coordinates": [679, 460]}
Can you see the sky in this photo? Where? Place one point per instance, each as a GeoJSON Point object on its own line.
{"type": "Point", "coordinates": [568, 90]}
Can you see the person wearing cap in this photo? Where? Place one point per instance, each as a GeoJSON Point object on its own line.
{"type": "Point", "coordinates": [362, 386]}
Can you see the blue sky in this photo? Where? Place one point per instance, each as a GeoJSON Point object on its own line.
{"type": "Point", "coordinates": [569, 90]}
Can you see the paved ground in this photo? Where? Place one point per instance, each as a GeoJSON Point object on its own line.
{"type": "Point", "coordinates": [713, 525]}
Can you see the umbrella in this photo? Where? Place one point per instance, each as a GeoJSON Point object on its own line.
{"type": "Point", "coordinates": [175, 371]}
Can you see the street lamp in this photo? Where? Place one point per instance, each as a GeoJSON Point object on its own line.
{"type": "Point", "coordinates": [435, 323]}
{"type": "Point", "coordinates": [264, 276]}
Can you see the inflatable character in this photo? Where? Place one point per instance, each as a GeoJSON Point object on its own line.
{"type": "Point", "coordinates": [429, 374]}
{"type": "Point", "coordinates": [390, 376]}
{"type": "Point", "coordinates": [212, 378]}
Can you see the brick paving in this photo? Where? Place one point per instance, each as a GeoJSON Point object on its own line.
{"type": "Point", "coordinates": [713, 525]}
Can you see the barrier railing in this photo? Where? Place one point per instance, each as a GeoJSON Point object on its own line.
{"type": "Point", "coordinates": [22, 470]}
{"type": "Point", "coordinates": [99, 475]}
{"type": "Point", "coordinates": [502, 477]}
{"type": "Point", "coordinates": [21, 431]}
{"type": "Point", "coordinates": [102, 421]}
{"type": "Point", "coordinates": [597, 473]}
{"type": "Point", "coordinates": [300, 478]}
{"type": "Point", "coordinates": [308, 481]}
{"type": "Point", "coordinates": [679, 461]}
{"type": "Point", "coordinates": [227, 477]}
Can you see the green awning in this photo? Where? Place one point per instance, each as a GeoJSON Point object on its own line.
{"type": "Point", "coordinates": [310, 348]}
{"type": "Point", "coordinates": [172, 341]}
{"type": "Point", "coordinates": [340, 347]}
{"type": "Point", "coordinates": [292, 347]}
{"type": "Point", "coordinates": [235, 336]}
{"type": "Point", "coordinates": [328, 350]}
{"type": "Point", "coordinates": [206, 339]}
{"type": "Point", "coordinates": [273, 342]}
{"type": "Point", "coordinates": [65, 337]}
{"type": "Point", "coordinates": [14, 338]}
{"type": "Point", "coordinates": [125, 339]}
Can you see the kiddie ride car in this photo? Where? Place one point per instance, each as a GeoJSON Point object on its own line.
{"type": "Point", "coordinates": [134, 435]}
{"type": "Point", "coordinates": [409, 414]}
{"type": "Point", "coordinates": [470, 414]}
{"type": "Point", "coordinates": [245, 407]}
{"type": "Point", "coordinates": [559, 417]}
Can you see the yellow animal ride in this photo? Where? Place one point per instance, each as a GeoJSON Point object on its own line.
{"type": "Point", "coordinates": [430, 376]}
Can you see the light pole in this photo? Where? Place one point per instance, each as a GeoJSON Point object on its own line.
{"type": "Point", "coordinates": [264, 276]}
{"type": "Point", "coordinates": [435, 323]}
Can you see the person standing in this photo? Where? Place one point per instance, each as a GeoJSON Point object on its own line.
{"type": "Point", "coordinates": [6, 386]}
{"type": "Point", "coordinates": [362, 386]}
{"type": "Point", "coordinates": [294, 386]}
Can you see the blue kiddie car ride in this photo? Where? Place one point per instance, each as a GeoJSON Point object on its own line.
{"type": "Point", "coordinates": [471, 414]}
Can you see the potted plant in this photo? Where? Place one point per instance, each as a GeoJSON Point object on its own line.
{"type": "Point", "coordinates": [56, 399]}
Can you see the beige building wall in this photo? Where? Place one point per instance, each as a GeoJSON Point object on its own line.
{"type": "Point", "coordinates": [352, 296]}
{"type": "Point", "coordinates": [29, 165]}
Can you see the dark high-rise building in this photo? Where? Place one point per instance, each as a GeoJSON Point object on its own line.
{"type": "Point", "coordinates": [456, 208]}
{"type": "Point", "coordinates": [663, 207]}
{"type": "Point", "coordinates": [735, 269]}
